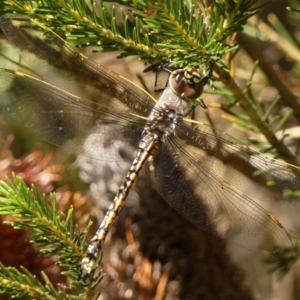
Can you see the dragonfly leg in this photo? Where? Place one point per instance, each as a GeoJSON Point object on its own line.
{"type": "Point", "coordinates": [209, 75]}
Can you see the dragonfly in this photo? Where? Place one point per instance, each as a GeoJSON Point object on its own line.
{"type": "Point", "coordinates": [205, 175]}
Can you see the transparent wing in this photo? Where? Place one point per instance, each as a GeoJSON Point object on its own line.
{"type": "Point", "coordinates": [66, 120]}
{"type": "Point", "coordinates": [67, 98]}
{"type": "Point", "coordinates": [236, 164]}
{"type": "Point", "coordinates": [213, 182]}
{"type": "Point", "coordinates": [54, 61]}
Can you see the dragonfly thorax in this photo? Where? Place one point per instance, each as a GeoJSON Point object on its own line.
{"type": "Point", "coordinates": [162, 121]}
{"type": "Point", "coordinates": [175, 102]}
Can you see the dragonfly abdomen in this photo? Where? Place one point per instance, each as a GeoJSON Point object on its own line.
{"type": "Point", "coordinates": [148, 146]}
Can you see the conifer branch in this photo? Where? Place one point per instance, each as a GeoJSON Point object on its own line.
{"type": "Point", "coordinates": [169, 31]}
{"type": "Point", "coordinates": [52, 232]}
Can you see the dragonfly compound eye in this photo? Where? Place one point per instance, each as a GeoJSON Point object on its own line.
{"type": "Point", "coordinates": [187, 83]}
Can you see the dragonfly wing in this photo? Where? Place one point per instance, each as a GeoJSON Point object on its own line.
{"type": "Point", "coordinates": [58, 63]}
{"type": "Point", "coordinates": [247, 170]}
{"type": "Point", "coordinates": [191, 173]}
{"type": "Point", "coordinates": [65, 119]}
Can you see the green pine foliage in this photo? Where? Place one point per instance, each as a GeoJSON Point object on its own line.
{"type": "Point", "coordinates": [51, 232]}
{"type": "Point", "coordinates": [179, 32]}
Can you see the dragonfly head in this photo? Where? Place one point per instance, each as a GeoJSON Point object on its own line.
{"type": "Point", "coordinates": [188, 83]}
